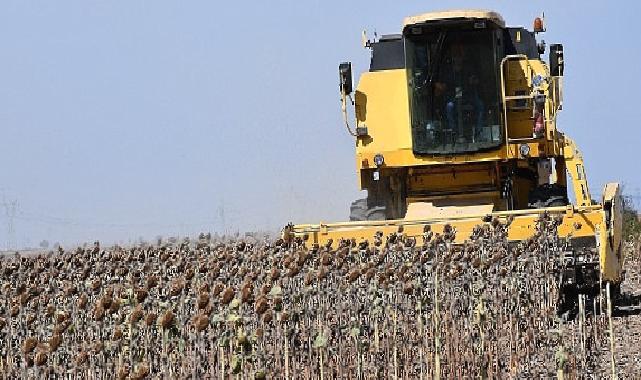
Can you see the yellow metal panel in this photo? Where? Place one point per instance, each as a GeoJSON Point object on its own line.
{"type": "Point", "coordinates": [436, 179]}
{"type": "Point", "coordinates": [581, 222]}
{"type": "Point", "coordinates": [537, 149]}
{"type": "Point", "coordinates": [406, 157]}
{"type": "Point", "coordinates": [383, 107]}
{"type": "Point", "coordinates": [522, 227]}
{"type": "Point", "coordinates": [576, 169]}
{"type": "Point", "coordinates": [518, 82]}
{"type": "Point", "coordinates": [611, 238]}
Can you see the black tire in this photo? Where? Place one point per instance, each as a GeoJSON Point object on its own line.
{"type": "Point", "coordinates": [376, 213]}
{"type": "Point", "coordinates": [558, 202]}
{"type": "Point", "coordinates": [548, 196]}
{"type": "Point", "coordinates": [360, 211]}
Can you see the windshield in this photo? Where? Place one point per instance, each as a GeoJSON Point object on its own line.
{"type": "Point", "coordinates": [454, 91]}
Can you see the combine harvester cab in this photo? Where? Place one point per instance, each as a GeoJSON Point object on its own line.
{"type": "Point", "coordinates": [456, 127]}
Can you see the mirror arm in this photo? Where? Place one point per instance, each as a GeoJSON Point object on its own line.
{"type": "Point", "coordinates": [344, 112]}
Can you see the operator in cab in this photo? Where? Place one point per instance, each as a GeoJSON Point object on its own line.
{"type": "Point", "coordinates": [457, 86]}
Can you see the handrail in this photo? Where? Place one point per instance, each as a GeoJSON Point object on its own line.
{"type": "Point", "coordinates": [504, 97]}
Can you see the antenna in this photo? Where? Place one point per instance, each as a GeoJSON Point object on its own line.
{"type": "Point", "coordinates": [364, 39]}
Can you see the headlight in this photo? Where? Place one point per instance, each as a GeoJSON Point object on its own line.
{"type": "Point", "coordinates": [379, 160]}
{"type": "Point", "coordinates": [524, 149]}
{"type": "Point", "coordinates": [537, 80]}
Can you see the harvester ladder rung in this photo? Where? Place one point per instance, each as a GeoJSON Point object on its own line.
{"type": "Point", "coordinates": [523, 139]}
{"type": "Point", "coordinates": [518, 97]}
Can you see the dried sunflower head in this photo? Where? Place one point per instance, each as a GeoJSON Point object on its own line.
{"type": "Point", "coordinates": [150, 318]}
{"type": "Point", "coordinates": [201, 322]}
{"type": "Point", "coordinates": [228, 295]}
{"type": "Point", "coordinates": [29, 344]}
{"type": "Point", "coordinates": [167, 320]}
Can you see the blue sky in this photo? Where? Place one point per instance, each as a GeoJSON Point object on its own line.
{"type": "Point", "coordinates": [122, 119]}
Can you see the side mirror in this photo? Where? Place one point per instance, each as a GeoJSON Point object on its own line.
{"type": "Point", "coordinates": [345, 76]}
{"type": "Point", "coordinates": [557, 64]}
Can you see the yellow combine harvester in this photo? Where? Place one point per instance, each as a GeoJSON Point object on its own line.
{"type": "Point", "coordinates": [456, 124]}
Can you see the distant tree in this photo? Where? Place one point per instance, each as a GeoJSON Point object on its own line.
{"type": "Point", "coordinates": [44, 244]}
{"type": "Point", "coordinates": [631, 221]}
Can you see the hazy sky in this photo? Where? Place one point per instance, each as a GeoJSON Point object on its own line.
{"type": "Point", "coordinates": [122, 119]}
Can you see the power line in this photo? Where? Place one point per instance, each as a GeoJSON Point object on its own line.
{"type": "Point", "coordinates": [10, 211]}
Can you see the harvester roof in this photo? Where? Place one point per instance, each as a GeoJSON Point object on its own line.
{"type": "Point", "coordinates": [455, 14]}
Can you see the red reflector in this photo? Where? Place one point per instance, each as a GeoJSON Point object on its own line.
{"type": "Point", "coordinates": [539, 125]}
{"type": "Point", "coordinates": [538, 25]}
